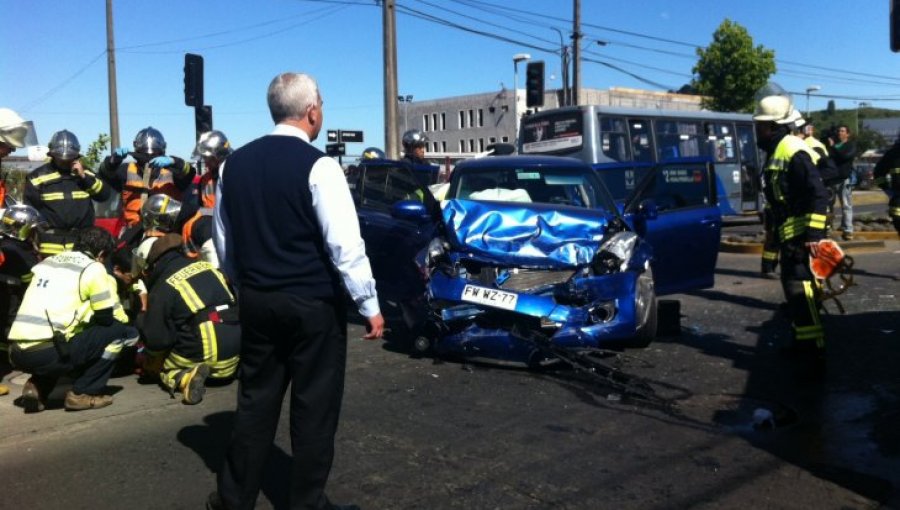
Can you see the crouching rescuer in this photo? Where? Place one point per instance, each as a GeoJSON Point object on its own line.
{"type": "Point", "coordinates": [71, 322]}
{"type": "Point", "coordinates": [191, 330]}
{"type": "Point", "coordinates": [797, 200]}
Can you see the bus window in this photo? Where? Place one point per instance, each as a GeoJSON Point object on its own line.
{"type": "Point", "coordinates": [679, 139]}
{"type": "Point", "coordinates": [614, 138]}
{"type": "Point", "coordinates": [639, 129]}
{"type": "Point", "coordinates": [720, 138]}
{"type": "Point", "coordinates": [749, 161]}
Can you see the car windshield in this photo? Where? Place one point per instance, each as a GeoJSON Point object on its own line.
{"type": "Point", "coordinates": [544, 185]}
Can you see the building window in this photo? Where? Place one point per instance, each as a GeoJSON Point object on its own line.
{"type": "Point", "coordinates": [434, 146]}
{"type": "Point", "coordinates": [434, 124]}
{"type": "Point", "coordinates": [425, 122]}
{"type": "Point", "coordinates": [480, 143]}
{"type": "Point", "coordinates": [480, 117]}
{"type": "Point", "coordinates": [462, 119]}
{"type": "Point", "coordinates": [443, 121]}
{"type": "Point", "coordinates": [462, 146]}
{"type": "Point", "coordinates": [444, 147]}
{"type": "Point", "coordinates": [492, 139]}
{"type": "Point", "coordinates": [471, 144]}
{"type": "Point", "coordinates": [471, 118]}
{"type": "Point", "coordinates": [504, 139]}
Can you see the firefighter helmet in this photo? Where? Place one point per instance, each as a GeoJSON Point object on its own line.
{"type": "Point", "coordinates": [774, 104]}
{"type": "Point", "coordinates": [150, 141]}
{"type": "Point", "coordinates": [14, 130]}
{"type": "Point", "coordinates": [21, 221]}
{"type": "Point", "coordinates": [213, 144]}
{"type": "Point", "coordinates": [64, 145]}
{"type": "Point", "coordinates": [372, 153]}
{"type": "Point", "coordinates": [414, 138]}
{"type": "Point", "coordinates": [160, 212]}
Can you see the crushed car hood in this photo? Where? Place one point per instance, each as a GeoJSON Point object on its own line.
{"type": "Point", "coordinates": [539, 236]}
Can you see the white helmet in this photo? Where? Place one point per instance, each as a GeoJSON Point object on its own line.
{"type": "Point", "coordinates": [14, 130]}
{"type": "Point", "coordinates": [774, 104]}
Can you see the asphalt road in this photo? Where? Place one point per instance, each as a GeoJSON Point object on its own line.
{"type": "Point", "coordinates": [420, 433]}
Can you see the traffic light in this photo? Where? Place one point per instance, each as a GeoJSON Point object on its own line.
{"type": "Point", "coordinates": [895, 25]}
{"type": "Point", "coordinates": [534, 84]}
{"type": "Point", "coordinates": [203, 119]}
{"type": "Point", "coordinates": [193, 80]}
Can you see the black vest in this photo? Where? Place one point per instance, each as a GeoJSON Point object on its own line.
{"type": "Point", "coordinates": [277, 244]}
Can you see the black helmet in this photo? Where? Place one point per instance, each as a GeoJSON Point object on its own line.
{"type": "Point", "coordinates": [64, 145]}
{"type": "Point", "coordinates": [414, 138]}
{"type": "Point", "coordinates": [150, 141]}
{"type": "Point", "coordinates": [372, 153]}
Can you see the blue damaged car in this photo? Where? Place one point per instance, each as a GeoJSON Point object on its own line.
{"type": "Point", "coordinates": [528, 248]}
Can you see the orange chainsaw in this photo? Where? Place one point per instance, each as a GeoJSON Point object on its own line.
{"type": "Point", "coordinates": [830, 259]}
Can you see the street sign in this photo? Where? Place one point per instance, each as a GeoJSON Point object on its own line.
{"type": "Point", "coordinates": [352, 136]}
{"type": "Point", "coordinates": [333, 135]}
{"type": "Point", "coordinates": [335, 149]}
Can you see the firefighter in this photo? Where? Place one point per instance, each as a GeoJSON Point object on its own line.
{"type": "Point", "coordinates": [19, 227]}
{"type": "Point", "coordinates": [152, 172]}
{"type": "Point", "coordinates": [797, 200]}
{"type": "Point", "coordinates": [71, 322]}
{"type": "Point", "coordinates": [414, 147]}
{"type": "Point", "coordinates": [888, 167]}
{"type": "Point", "coordinates": [213, 147]}
{"type": "Point", "coordinates": [62, 191]}
{"type": "Point", "coordinates": [191, 329]}
{"type": "Point", "coordinates": [195, 226]}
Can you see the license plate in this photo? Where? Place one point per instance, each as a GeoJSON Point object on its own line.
{"type": "Point", "coordinates": [490, 297]}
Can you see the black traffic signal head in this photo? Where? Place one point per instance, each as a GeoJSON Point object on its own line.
{"type": "Point", "coordinates": [203, 119]}
{"type": "Point", "coordinates": [534, 84]}
{"type": "Point", "coordinates": [193, 80]}
{"type": "Point", "coordinates": [895, 25]}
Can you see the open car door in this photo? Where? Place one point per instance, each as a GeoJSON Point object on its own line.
{"type": "Point", "coordinates": [396, 223]}
{"type": "Point", "coordinates": [675, 208]}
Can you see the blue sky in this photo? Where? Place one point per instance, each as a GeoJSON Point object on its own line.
{"type": "Point", "coordinates": [53, 64]}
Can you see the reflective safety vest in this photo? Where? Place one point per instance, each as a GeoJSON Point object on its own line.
{"type": "Point", "coordinates": [207, 190]}
{"type": "Point", "coordinates": [138, 184]}
{"type": "Point", "coordinates": [65, 290]}
{"type": "Point", "coordinates": [813, 143]}
{"type": "Point", "coordinates": [775, 178]}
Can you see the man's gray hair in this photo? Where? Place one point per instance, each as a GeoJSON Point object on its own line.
{"type": "Point", "coordinates": [291, 95]}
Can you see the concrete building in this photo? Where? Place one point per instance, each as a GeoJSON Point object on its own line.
{"type": "Point", "coordinates": [463, 126]}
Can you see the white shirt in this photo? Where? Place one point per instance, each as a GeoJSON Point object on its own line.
{"type": "Point", "coordinates": [336, 215]}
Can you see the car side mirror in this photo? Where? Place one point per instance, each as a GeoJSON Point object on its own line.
{"type": "Point", "coordinates": [648, 209]}
{"type": "Point", "coordinates": [410, 210]}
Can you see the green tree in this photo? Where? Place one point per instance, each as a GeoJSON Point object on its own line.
{"type": "Point", "coordinates": [730, 70]}
{"type": "Point", "coordinates": [91, 157]}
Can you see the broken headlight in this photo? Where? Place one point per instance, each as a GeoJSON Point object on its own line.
{"type": "Point", "coordinates": [614, 253]}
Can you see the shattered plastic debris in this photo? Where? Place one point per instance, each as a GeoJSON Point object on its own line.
{"type": "Point", "coordinates": [614, 397]}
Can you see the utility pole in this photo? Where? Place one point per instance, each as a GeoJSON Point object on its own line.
{"type": "Point", "coordinates": [576, 52]}
{"type": "Point", "coordinates": [389, 18]}
{"type": "Point", "coordinates": [111, 77]}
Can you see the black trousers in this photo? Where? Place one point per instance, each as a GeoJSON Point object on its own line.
{"type": "Point", "coordinates": [91, 354]}
{"type": "Point", "coordinates": [800, 290]}
{"type": "Point", "coordinates": [286, 339]}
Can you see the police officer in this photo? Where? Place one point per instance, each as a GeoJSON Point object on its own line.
{"type": "Point", "coordinates": [414, 147]}
{"type": "Point", "coordinates": [71, 321]}
{"type": "Point", "coordinates": [191, 330]}
{"type": "Point", "coordinates": [152, 172]}
{"type": "Point", "coordinates": [797, 201]}
{"type": "Point", "coordinates": [213, 147]}
{"type": "Point", "coordinates": [62, 191]}
{"type": "Point", "coordinates": [19, 226]}
{"type": "Point", "coordinates": [888, 167]}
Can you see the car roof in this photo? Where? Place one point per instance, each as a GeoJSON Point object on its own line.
{"type": "Point", "coordinates": [493, 162]}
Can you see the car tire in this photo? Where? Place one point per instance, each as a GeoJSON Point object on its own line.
{"type": "Point", "coordinates": [646, 334]}
{"type": "Point", "coordinates": [422, 345]}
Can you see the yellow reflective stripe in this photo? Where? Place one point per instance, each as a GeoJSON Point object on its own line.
{"type": "Point", "coordinates": [96, 187]}
{"type": "Point", "coordinates": [54, 248]}
{"type": "Point", "coordinates": [41, 179]}
{"type": "Point", "coordinates": [191, 299]}
{"type": "Point", "coordinates": [26, 278]}
{"type": "Point", "coordinates": [210, 343]}
{"type": "Point", "coordinates": [225, 368]}
{"type": "Point", "coordinates": [895, 171]}
{"type": "Point", "coordinates": [222, 281]}
{"type": "Point", "coordinates": [894, 211]}
{"type": "Point", "coordinates": [48, 197]}
{"type": "Point", "coordinates": [817, 220]}
{"type": "Point", "coordinates": [769, 255]}
{"type": "Point", "coordinates": [796, 225]}
{"type": "Point", "coordinates": [81, 194]}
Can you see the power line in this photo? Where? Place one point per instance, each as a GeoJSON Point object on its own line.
{"type": "Point", "coordinates": [63, 83]}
